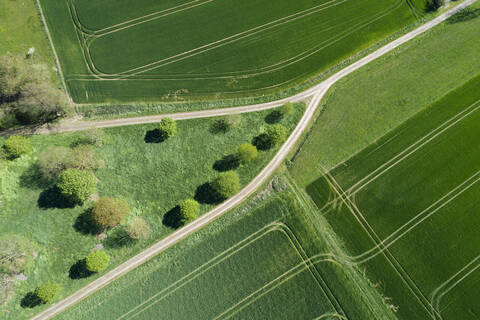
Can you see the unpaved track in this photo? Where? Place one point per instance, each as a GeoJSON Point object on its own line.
{"type": "Point", "coordinates": [315, 93]}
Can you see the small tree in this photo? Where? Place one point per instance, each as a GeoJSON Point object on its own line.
{"type": "Point", "coordinates": [48, 292]}
{"type": "Point", "coordinates": [52, 161]}
{"type": "Point", "coordinates": [434, 5]}
{"type": "Point", "coordinates": [84, 157]}
{"type": "Point", "coordinates": [109, 212]}
{"type": "Point", "coordinates": [16, 254]}
{"type": "Point", "coordinates": [168, 128]}
{"type": "Point", "coordinates": [77, 185]}
{"type": "Point", "coordinates": [97, 261]}
{"type": "Point", "coordinates": [277, 134]}
{"type": "Point", "coordinates": [15, 146]}
{"type": "Point", "coordinates": [188, 210]}
{"type": "Point", "coordinates": [247, 152]}
{"type": "Point", "coordinates": [138, 228]}
{"type": "Point", "coordinates": [226, 184]}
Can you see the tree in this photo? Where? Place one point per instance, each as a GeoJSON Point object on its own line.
{"type": "Point", "coordinates": [226, 184]}
{"type": "Point", "coordinates": [97, 261]}
{"type": "Point", "coordinates": [77, 185]}
{"type": "Point", "coordinates": [16, 254]}
{"type": "Point", "coordinates": [48, 292]}
{"type": "Point", "coordinates": [247, 152]}
{"type": "Point", "coordinates": [188, 210]}
{"type": "Point", "coordinates": [15, 146]}
{"type": "Point", "coordinates": [138, 228]}
{"type": "Point", "coordinates": [15, 72]}
{"type": "Point", "coordinates": [109, 212]}
{"type": "Point", "coordinates": [434, 5]}
{"type": "Point", "coordinates": [84, 157]}
{"type": "Point", "coordinates": [277, 134]}
{"type": "Point", "coordinates": [52, 161]}
{"type": "Point", "coordinates": [168, 128]}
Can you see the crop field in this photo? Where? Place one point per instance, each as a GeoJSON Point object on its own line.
{"type": "Point", "coordinates": [407, 208]}
{"type": "Point", "coordinates": [261, 265]}
{"type": "Point", "coordinates": [165, 50]}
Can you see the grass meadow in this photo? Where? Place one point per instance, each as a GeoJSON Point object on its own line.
{"type": "Point", "coordinates": [152, 177]}
{"type": "Point", "coordinates": [374, 100]}
{"type": "Point", "coordinates": [115, 52]}
{"type": "Point", "coordinates": [407, 206]}
{"type": "Point", "coordinates": [263, 260]}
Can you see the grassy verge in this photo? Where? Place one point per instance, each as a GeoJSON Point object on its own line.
{"type": "Point", "coordinates": [152, 177]}
{"type": "Point", "coordinates": [377, 98]}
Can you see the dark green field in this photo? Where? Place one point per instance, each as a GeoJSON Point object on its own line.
{"type": "Point", "coordinates": [148, 50]}
{"type": "Point", "coordinates": [407, 208]}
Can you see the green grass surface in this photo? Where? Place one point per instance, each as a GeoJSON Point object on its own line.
{"type": "Point", "coordinates": [152, 177]}
{"type": "Point", "coordinates": [154, 51]}
{"type": "Point", "coordinates": [416, 191]}
{"type": "Point", "coordinates": [246, 265]}
{"type": "Point", "coordinates": [374, 100]}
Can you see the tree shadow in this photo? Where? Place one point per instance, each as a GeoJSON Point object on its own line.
{"type": "Point", "coordinates": [220, 126]}
{"type": "Point", "coordinates": [227, 163]}
{"type": "Point", "coordinates": [85, 223]}
{"type": "Point", "coordinates": [52, 198]}
{"type": "Point", "coordinates": [207, 195]}
{"type": "Point", "coordinates": [30, 300]}
{"type": "Point", "coordinates": [172, 218]}
{"type": "Point", "coordinates": [32, 178]}
{"type": "Point", "coordinates": [464, 15]}
{"type": "Point", "coordinates": [262, 142]}
{"type": "Point", "coordinates": [274, 117]}
{"type": "Point", "coordinates": [154, 136]}
{"type": "Point", "coordinates": [79, 270]}
{"type": "Point", "coordinates": [118, 238]}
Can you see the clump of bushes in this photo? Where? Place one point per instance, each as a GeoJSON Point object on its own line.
{"type": "Point", "coordinates": [274, 136]}
{"type": "Point", "coordinates": [77, 185]}
{"type": "Point", "coordinates": [247, 152]}
{"type": "Point", "coordinates": [138, 228]}
{"type": "Point", "coordinates": [226, 184]}
{"type": "Point", "coordinates": [109, 212]}
{"type": "Point", "coordinates": [15, 146]}
{"type": "Point", "coordinates": [97, 261]}
{"type": "Point", "coordinates": [168, 128]}
{"type": "Point", "coordinates": [188, 211]}
{"type": "Point", "coordinates": [48, 292]}
{"type": "Point", "coordinates": [16, 254]}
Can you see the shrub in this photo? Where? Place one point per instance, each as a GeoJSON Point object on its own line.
{"type": "Point", "coordinates": [48, 292]}
{"type": "Point", "coordinates": [168, 128]}
{"type": "Point", "coordinates": [77, 185]}
{"type": "Point", "coordinates": [109, 212]}
{"type": "Point", "coordinates": [138, 228]}
{"type": "Point", "coordinates": [188, 210]}
{"type": "Point", "coordinates": [434, 5]}
{"type": "Point", "coordinates": [226, 184]}
{"type": "Point", "coordinates": [84, 157]}
{"type": "Point", "coordinates": [15, 146]}
{"type": "Point", "coordinates": [92, 137]}
{"type": "Point", "coordinates": [247, 152]}
{"type": "Point", "coordinates": [97, 261]}
{"type": "Point", "coordinates": [52, 161]}
{"type": "Point", "coordinates": [286, 109]}
{"type": "Point", "coordinates": [16, 254]}
{"type": "Point", "coordinates": [277, 134]}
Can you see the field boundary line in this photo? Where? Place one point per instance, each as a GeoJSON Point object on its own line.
{"type": "Point", "coordinates": [329, 315]}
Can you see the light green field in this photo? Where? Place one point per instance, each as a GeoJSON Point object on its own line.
{"type": "Point", "coordinates": [168, 50]}
{"type": "Point", "coordinates": [407, 208]}
{"type": "Point", "coordinates": [377, 98]}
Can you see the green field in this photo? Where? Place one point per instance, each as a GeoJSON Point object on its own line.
{"type": "Point", "coordinates": [407, 208]}
{"type": "Point", "coordinates": [361, 108]}
{"type": "Point", "coordinates": [267, 263]}
{"type": "Point", "coordinates": [150, 51]}
{"type": "Point", "coordinates": [152, 177]}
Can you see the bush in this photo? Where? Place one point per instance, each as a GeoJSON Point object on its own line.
{"type": "Point", "coordinates": [15, 146]}
{"type": "Point", "coordinates": [168, 128]}
{"type": "Point", "coordinates": [226, 184]}
{"type": "Point", "coordinates": [52, 161]}
{"type": "Point", "coordinates": [97, 261]}
{"type": "Point", "coordinates": [247, 152]}
{"type": "Point", "coordinates": [84, 157]}
{"type": "Point", "coordinates": [92, 137]}
{"type": "Point", "coordinates": [48, 292]}
{"type": "Point", "coordinates": [274, 136]}
{"type": "Point", "coordinates": [434, 5]}
{"type": "Point", "coordinates": [188, 210]}
{"type": "Point", "coordinates": [16, 254]}
{"type": "Point", "coordinates": [77, 185]}
{"type": "Point", "coordinates": [138, 228]}
{"type": "Point", "coordinates": [286, 109]}
{"type": "Point", "coordinates": [109, 212]}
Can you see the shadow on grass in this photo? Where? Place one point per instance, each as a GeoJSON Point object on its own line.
{"type": "Point", "coordinates": [79, 270]}
{"type": "Point", "coordinates": [274, 117]}
{"type": "Point", "coordinates": [227, 163]}
{"type": "Point", "coordinates": [466, 14]}
{"type": "Point", "coordinates": [118, 239]}
{"type": "Point", "coordinates": [262, 142]}
{"type": "Point", "coordinates": [30, 300]}
{"type": "Point", "coordinates": [52, 198]}
{"type": "Point", "coordinates": [85, 223]}
{"type": "Point", "coordinates": [154, 136]}
{"type": "Point", "coordinates": [32, 178]}
{"type": "Point", "coordinates": [207, 195]}
{"type": "Point", "coordinates": [172, 218]}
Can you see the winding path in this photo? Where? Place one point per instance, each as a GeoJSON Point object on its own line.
{"type": "Point", "coordinates": [315, 94]}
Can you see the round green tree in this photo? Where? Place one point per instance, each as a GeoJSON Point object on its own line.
{"type": "Point", "coordinates": [77, 185]}
{"type": "Point", "coordinates": [138, 228]}
{"type": "Point", "coordinates": [168, 128]}
{"type": "Point", "coordinates": [247, 152]}
{"type": "Point", "coordinates": [15, 146]}
{"type": "Point", "coordinates": [109, 212]}
{"type": "Point", "coordinates": [48, 292]}
{"type": "Point", "coordinates": [226, 184]}
{"type": "Point", "coordinates": [188, 210]}
{"type": "Point", "coordinates": [97, 261]}
{"type": "Point", "coordinates": [276, 134]}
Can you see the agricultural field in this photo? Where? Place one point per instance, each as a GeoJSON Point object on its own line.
{"type": "Point", "coordinates": [202, 49]}
{"type": "Point", "coordinates": [407, 207]}
{"type": "Point", "coordinates": [262, 262]}
{"type": "Point", "coordinates": [149, 175]}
